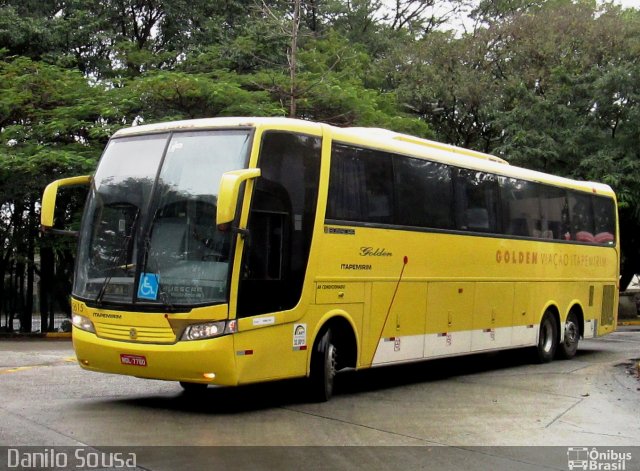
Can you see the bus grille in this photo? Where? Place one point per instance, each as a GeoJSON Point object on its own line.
{"type": "Point", "coordinates": [608, 294]}
{"type": "Point", "coordinates": [135, 334]}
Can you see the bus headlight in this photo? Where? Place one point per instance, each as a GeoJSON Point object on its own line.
{"type": "Point", "coordinates": [83, 323]}
{"type": "Point", "coordinates": [209, 330]}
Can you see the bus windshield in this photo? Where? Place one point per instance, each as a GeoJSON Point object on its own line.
{"type": "Point", "coordinates": [149, 233]}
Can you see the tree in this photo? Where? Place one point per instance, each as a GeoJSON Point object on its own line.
{"type": "Point", "coordinates": [49, 119]}
{"type": "Point", "coordinates": [162, 96]}
{"type": "Point", "coordinates": [571, 101]}
{"type": "Point", "coordinates": [550, 86]}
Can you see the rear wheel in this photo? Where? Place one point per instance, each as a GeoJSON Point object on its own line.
{"type": "Point", "coordinates": [324, 361]}
{"type": "Point", "coordinates": [567, 349]}
{"type": "Point", "coordinates": [548, 338]}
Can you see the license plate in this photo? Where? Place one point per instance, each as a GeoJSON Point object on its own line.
{"type": "Point", "coordinates": [133, 360]}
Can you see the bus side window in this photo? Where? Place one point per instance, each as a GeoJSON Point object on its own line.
{"type": "Point", "coordinates": [555, 217]}
{"type": "Point", "coordinates": [424, 193]}
{"type": "Point", "coordinates": [361, 186]}
{"type": "Point", "coordinates": [604, 220]}
{"type": "Point", "coordinates": [476, 201]}
{"type": "Point", "coordinates": [581, 214]}
{"type": "Point", "coordinates": [521, 207]}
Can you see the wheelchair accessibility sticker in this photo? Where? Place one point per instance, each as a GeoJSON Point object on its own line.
{"type": "Point", "coordinates": [148, 287]}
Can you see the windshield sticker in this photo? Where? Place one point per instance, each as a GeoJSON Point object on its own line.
{"type": "Point", "coordinates": [184, 292]}
{"type": "Point", "coordinates": [175, 146]}
{"type": "Point", "coordinates": [300, 336]}
{"type": "Point", "coordinates": [148, 287]}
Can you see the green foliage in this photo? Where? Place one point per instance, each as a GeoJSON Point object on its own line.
{"type": "Point", "coordinates": [46, 117]}
{"type": "Point", "coordinates": [165, 96]}
{"type": "Point", "coordinates": [547, 85]}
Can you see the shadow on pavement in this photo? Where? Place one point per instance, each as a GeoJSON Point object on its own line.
{"type": "Point", "coordinates": [234, 400]}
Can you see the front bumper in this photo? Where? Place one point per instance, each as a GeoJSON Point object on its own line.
{"type": "Point", "coordinates": [183, 361]}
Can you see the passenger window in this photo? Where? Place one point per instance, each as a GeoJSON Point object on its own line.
{"type": "Point", "coordinates": [581, 214]}
{"type": "Point", "coordinates": [521, 207]}
{"type": "Point", "coordinates": [361, 186]}
{"type": "Point", "coordinates": [604, 218]}
{"type": "Point", "coordinates": [554, 208]}
{"type": "Point", "coordinates": [424, 193]}
{"type": "Point", "coordinates": [476, 196]}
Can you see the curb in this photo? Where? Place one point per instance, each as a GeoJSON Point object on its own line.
{"type": "Point", "coordinates": [57, 335]}
{"type": "Point", "coordinates": [35, 336]}
{"type": "Point", "coordinates": [629, 322]}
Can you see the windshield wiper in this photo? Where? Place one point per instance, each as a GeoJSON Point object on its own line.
{"type": "Point", "coordinates": [164, 298]}
{"type": "Point", "coordinates": [118, 260]}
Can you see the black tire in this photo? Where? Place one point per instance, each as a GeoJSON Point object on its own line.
{"type": "Point", "coordinates": [193, 388]}
{"type": "Point", "coordinates": [568, 348]}
{"type": "Point", "coordinates": [323, 368]}
{"type": "Point", "coordinates": [547, 338]}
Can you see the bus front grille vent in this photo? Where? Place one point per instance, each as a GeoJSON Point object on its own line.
{"type": "Point", "coordinates": [144, 334]}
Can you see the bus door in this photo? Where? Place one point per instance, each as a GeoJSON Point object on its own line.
{"type": "Point", "coordinates": [276, 251]}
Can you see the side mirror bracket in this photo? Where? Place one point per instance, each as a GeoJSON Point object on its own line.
{"type": "Point", "coordinates": [229, 191]}
{"type": "Point", "coordinates": [244, 234]}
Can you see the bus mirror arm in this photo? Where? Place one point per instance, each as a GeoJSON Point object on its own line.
{"type": "Point", "coordinates": [244, 233]}
{"type": "Point", "coordinates": [229, 191]}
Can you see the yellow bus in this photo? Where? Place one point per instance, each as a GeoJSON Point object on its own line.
{"type": "Point", "coordinates": [228, 251]}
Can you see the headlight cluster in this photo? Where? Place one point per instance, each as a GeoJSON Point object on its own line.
{"type": "Point", "coordinates": [83, 323]}
{"type": "Point", "coordinates": [209, 330]}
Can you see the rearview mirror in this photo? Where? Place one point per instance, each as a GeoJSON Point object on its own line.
{"type": "Point", "coordinates": [228, 193]}
{"type": "Point", "coordinates": [49, 201]}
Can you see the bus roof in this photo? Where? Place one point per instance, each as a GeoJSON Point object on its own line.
{"type": "Point", "coordinates": [386, 134]}
{"type": "Point", "coordinates": [382, 139]}
{"type": "Point", "coordinates": [211, 123]}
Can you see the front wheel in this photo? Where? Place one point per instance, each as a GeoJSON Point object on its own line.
{"type": "Point", "coordinates": [547, 339]}
{"type": "Point", "coordinates": [323, 368]}
{"type": "Point", "coordinates": [193, 388]}
{"type": "Point", "coordinates": [567, 349]}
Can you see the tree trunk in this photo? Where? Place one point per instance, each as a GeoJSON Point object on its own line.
{"type": "Point", "coordinates": [46, 281]}
{"type": "Point", "coordinates": [25, 324]}
{"type": "Point", "coordinates": [295, 27]}
{"type": "Point", "coordinates": [63, 278]}
{"type": "Point", "coordinates": [27, 313]}
{"type": "Point", "coordinates": [3, 304]}
{"type": "Point", "coordinates": [11, 296]}
{"type": "Point", "coordinates": [630, 247]}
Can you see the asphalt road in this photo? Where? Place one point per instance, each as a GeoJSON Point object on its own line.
{"type": "Point", "coordinates": [487, 411]}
